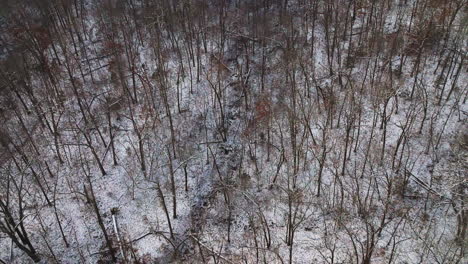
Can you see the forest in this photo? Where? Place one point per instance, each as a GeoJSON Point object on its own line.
{"type": "Point", "coordinates": [233, 131]}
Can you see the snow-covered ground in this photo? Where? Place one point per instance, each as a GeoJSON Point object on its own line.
{"type": "Point", "coordinates": [249, 143]}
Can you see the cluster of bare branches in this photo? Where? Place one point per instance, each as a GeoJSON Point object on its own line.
{"type": "Point", "coordinates": [274, 131]}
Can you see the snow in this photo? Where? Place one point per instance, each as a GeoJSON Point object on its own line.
{"type": "Point", "coordinates": [237, 168]}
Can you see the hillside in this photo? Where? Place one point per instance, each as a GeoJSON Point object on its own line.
{"type": "Point", "coordinates": [233, 131]}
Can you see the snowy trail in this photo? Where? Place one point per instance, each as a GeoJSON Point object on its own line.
{"type": "Point", "coordinates": [228, 159]}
